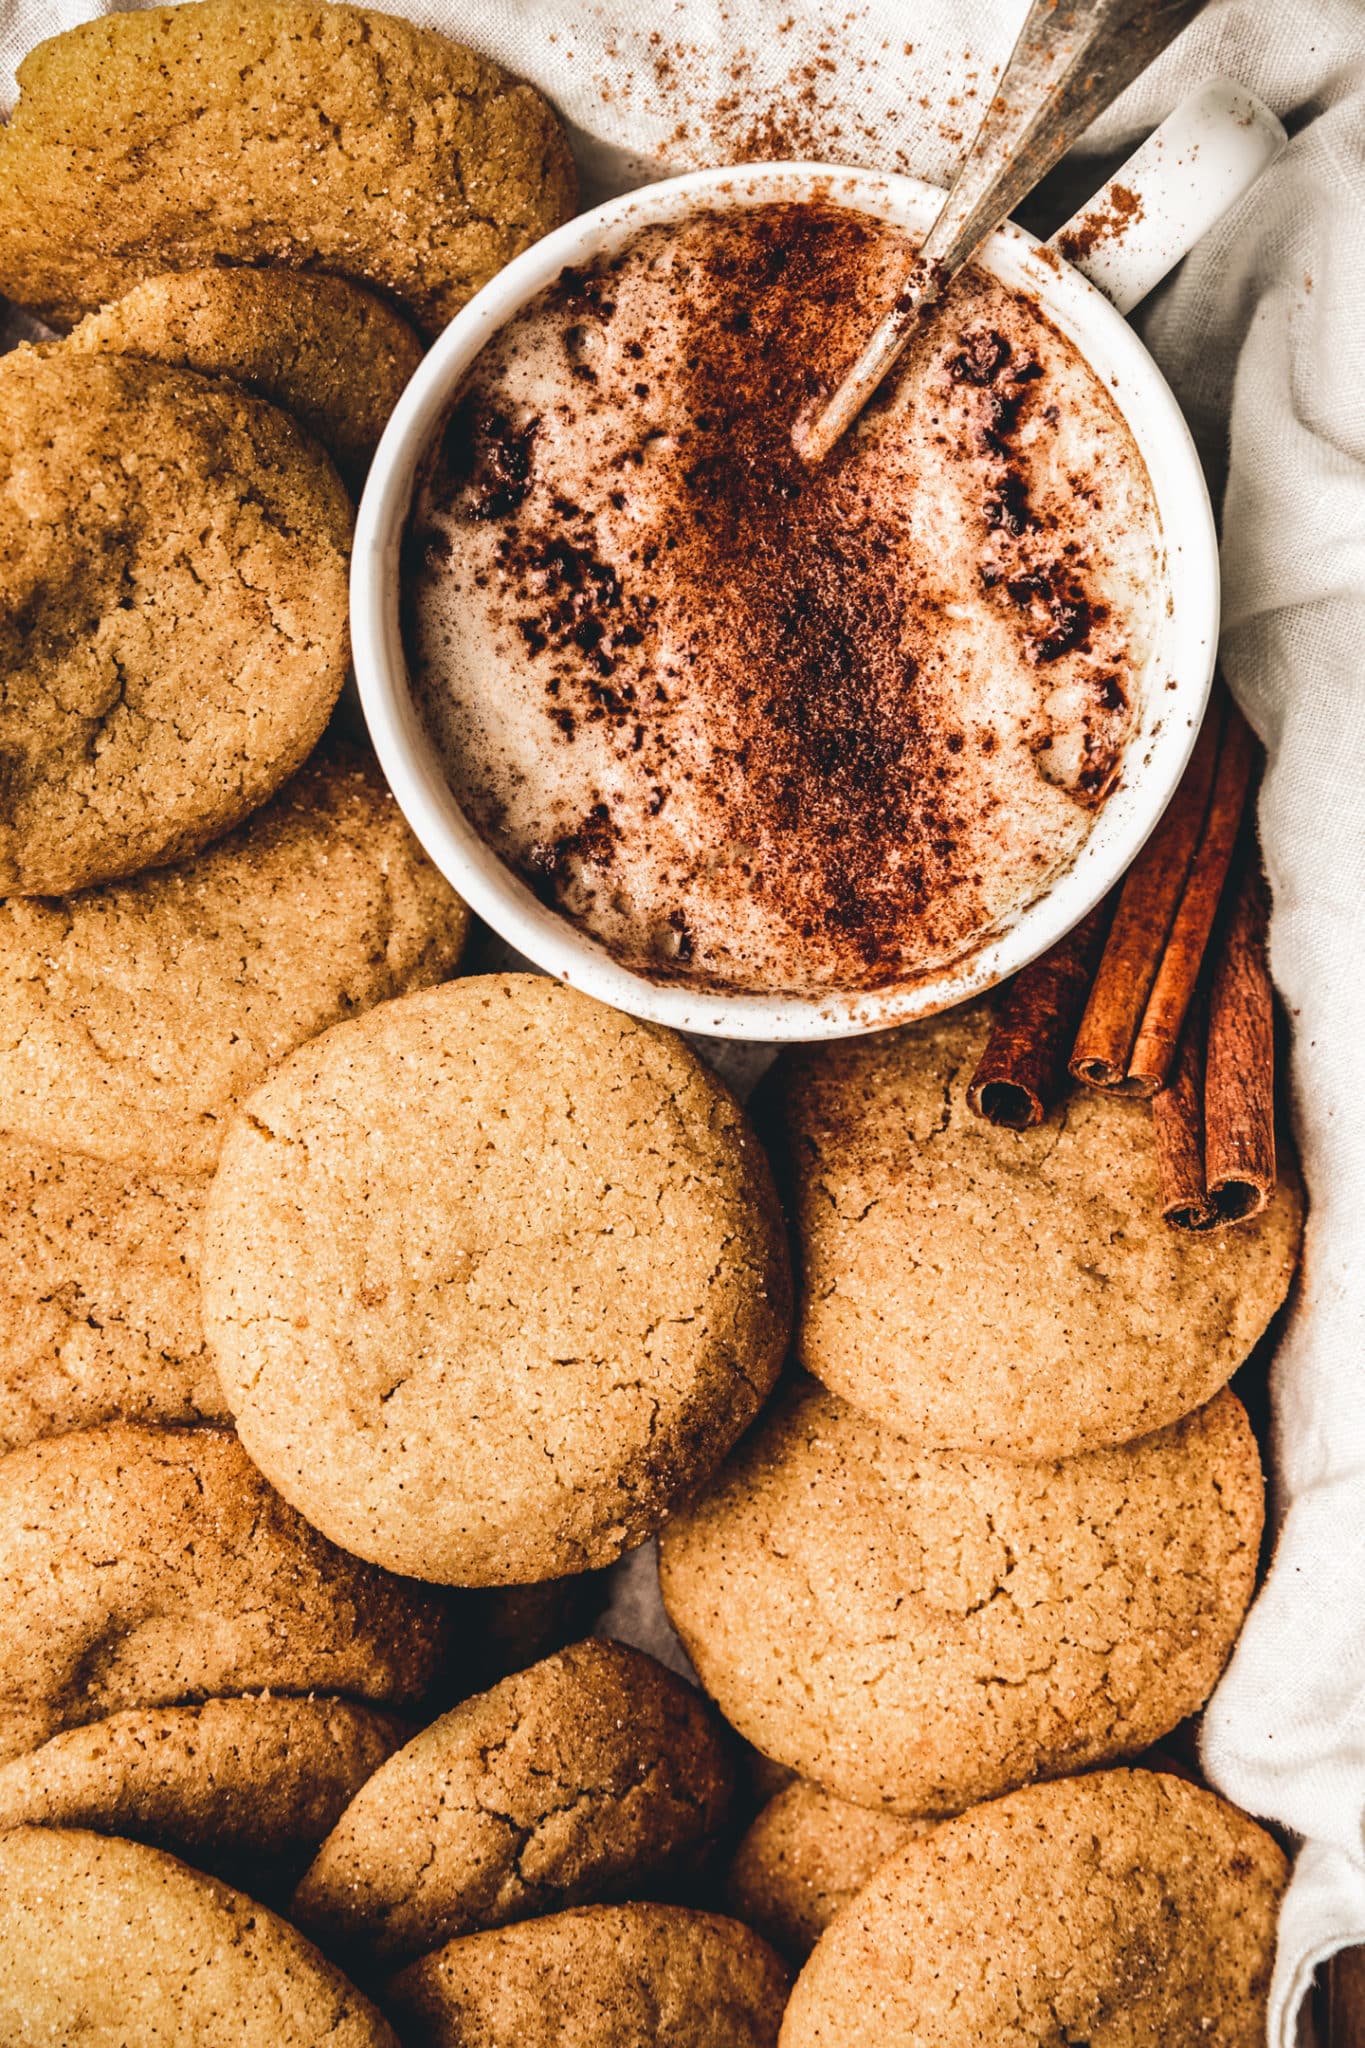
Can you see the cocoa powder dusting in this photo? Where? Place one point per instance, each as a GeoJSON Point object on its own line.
{"type": "Point", "coordinates": [764, 753]}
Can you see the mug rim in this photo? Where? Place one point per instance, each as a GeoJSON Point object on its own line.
{"type": "Point", "coordinates": [1154, 759]}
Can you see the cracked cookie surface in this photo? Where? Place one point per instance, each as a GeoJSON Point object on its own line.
{"type": "Point", "coordinates": [173, 592]}
{"type": "Point", "coordinates": [107, 1941]}
{"type": "Point", "coordinates": [999, 1290]}
{"type": "Point", "coordinates": [244, 1788]}
{"type": "Point", "coordinates": [317, 137]}
{"type": "Point", "coordinates": [135, 1018]}
{"type": "Point", "coordinates": [151, 1567]}
{"type": "Point", "coordinates": [598, 1977]}
{"type": "Point", "coordinates": [1116, 1909]}
{"type": "Point", "coordinates": [491, 1275]}
{"type": "Point", "coordinates": [803, 1859]}
{"type": "Point", "coordinates": [920, 1631]}
{"type": "Point", "coordinates": [589, 1774]}
{"type": "Point", "coordinates": [321, 348]}
{"type": "Point", "coordinates": [99, 1296]}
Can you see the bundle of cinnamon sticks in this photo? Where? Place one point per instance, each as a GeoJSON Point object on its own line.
{"type": "Point", "coordinates": [1163, 993]}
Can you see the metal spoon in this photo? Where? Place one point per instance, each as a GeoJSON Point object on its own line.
{"type": "Point", "coordinates": [1072, 59]}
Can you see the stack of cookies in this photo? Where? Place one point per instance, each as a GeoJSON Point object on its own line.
{"type": "Point", "coordinates": [354, 1313]}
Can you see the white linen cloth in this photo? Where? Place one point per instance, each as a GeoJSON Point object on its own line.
{"type": "Point", "coordinates": [1262, 334]}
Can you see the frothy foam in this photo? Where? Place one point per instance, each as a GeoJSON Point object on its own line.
{"type": "Point", "coordinates": [752, 726]}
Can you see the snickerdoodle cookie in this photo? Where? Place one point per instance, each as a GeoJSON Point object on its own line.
{"type": "Point", "coordinates": [145, 1567]}
{"type": "Point", "coordinates": [135, 1018]}
{"type": "Point", "coordinates": [99, 1296]}
{"type": "Point", "coordinates": [918, 1630]}
{"type": "Point", "coordinates": [1122, 1907]}
{"type": "Point", "coordinates": [243, 1787]}
{"type": "Point", "coordinates": [804, 1858]}
{"type": "Point", "coordinates": [326, 350]}
{"type": "Point", "coordinates": [586, 1776]}
{"type": "Point", "coordinates": [173, 565]}
{"type": "Point", "coordinates": [270, 131]}
{"type": "Point", "coordinates": [600, 1977]}
{"type": "Point", "coordinates": [490, 1276]}
{"type": "Point", "coordinates": [1010, 1291]}
{"type": "Point", "coordinates": [106, 1942]}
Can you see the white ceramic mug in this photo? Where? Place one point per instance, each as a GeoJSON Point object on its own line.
{"type": "Point", "coordinates": [1184, 177]}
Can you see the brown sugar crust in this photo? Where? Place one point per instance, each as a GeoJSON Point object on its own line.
{"type": "Point", "coordinates": [134, 1018]}
{"type": "Point", "coordinates": [579, 1779]}
{"type": "Point", "coordinates": [1119, 1908]}
{"type": "Point", "coordinates": [803, 1859]}
{"type": "Point", "coordinates": [551, 1291]}
{"type": "Point", "coordinates": [173, 565]}
{"type": "Point", "coordinates": [314, 137]}
{"type": "Point", "coordinates": [997, 1290]}
{"type": "Point", "coordinates": [245, 1788]}
{"type": "Point", "coordinates": [920, 1631]}
{"type": "Point", "coordinates": [106, 1941]}
{"type": "Point", "coordinates": [99, 1296]}
{"type": "Point", "coordinates": [148, 1567]}
{"type": "Point", "coordinates": [323, 349]}
{"type": "Point", "coordinates": [600, 1977]}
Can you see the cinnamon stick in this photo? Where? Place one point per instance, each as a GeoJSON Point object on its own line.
{"type": "Point", "coordinates": [1146, 910]}
{"type": "Point", "coordinates": [1023, 1070]}
{"type": "Point", "coordinates": [1239, 1085]}
{"type": "Point", "coordinates": [1178, 1128]}
{"type": "Point", "coordinates": [1173, 988]}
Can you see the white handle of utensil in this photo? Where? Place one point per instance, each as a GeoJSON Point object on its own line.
{"type": "Point", "coordinates": [1201, 160]}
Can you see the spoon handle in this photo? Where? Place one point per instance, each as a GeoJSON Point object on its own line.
{"type": "Point", "coordinates": [1072, 59]}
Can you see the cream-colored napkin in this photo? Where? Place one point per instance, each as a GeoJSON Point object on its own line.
{"type": "Point", "coordinates": [1262, 334]}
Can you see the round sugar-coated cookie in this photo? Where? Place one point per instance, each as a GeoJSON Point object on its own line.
{"type": "Point", "coordinates": [173, 591]}
{"type": "Point", "coordinates": [587, 1776]}
{"type": "Point", "coordinates": [104, 1941]}
{"type": "Point", "coordinates": [324, 349]}
{"type": "Point", "coordinates": [1122, 1907]}
{"type": "Point", "coordinates": [135, 1018]}
{"type": "Point", "coordinates": [271, 132]}
{"type": "Point", "coordinates": [1012, 1291]}
{"type": "Point", "coordinates": [146, 1567]}
{"type": "Point", "coordinates": [491, 1276]}
{"type": "Point", "coordinates": [99, 1296]}
{"type": "Point", "coordinates": [598, 1977]}
{"type": "Point", "coordinates": [244, 1787]}
{"type": "Point", "coordinates": [803, 1859]}
{"type": "Point", "coordinates": [921, 1630]}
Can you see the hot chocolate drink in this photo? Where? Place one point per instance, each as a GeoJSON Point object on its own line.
{"type": "Point", "coordinates": [757, 726]}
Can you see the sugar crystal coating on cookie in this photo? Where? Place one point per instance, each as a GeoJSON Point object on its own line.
{"type": "Point", "coordinates": [804, 1858]}
{"type": "Point", "coordinates": [173, 593]}
{"type": "Point", "coordinates": [135, 1018]}
{"type": "Point", "coordinates": [244, 1788]}
{"type": "Point", "coordinates": [996, 1290]}
{"type": "Point", "coordinates": [270, 131]}
{"type": "Point", "coordinates": [491, 1276]}
{"type": "Point", "coordinates": [919, 1630]}
{"type": "Point", "coordinates": [99, 1296]}
{"type": "Point", "coordinates": [103, 1940]}
{"type": "Point", "coordinates": [1119, 1907]}
{"type": "Point", "coordinates": [591, 1774]}
{"type": "Point", "coordinates": [145, 1567]}
{"type": "Point", "coordinates": [598, 1977]}
{"type": "Point", "coordinates": [323, 349]}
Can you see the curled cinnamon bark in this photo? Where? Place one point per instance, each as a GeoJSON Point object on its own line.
{"type": "Point", "coordinates": [1183, 957]}
{"type": "Point", "coordinates": [1023, 1070]}
{"type": "Point", "coordinates": [1178, 1129]}
{"type": "Point", "coordinates": [1239, 1084]}
{"type": "Point", "coordinates": [1146, 909]}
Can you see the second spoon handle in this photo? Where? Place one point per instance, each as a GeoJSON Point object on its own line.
{"type": "Point", "coordinates": [1072, 59]}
